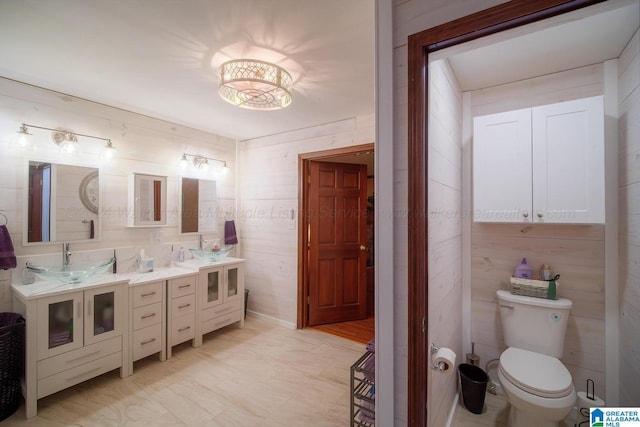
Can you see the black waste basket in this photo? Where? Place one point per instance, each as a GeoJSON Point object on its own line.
{"type": "Point", "coordinates": [246, 299]}
{"type": "Point", "coordinates": [11, 362]}
{"type": "Point", "coordinates": [473, 382]}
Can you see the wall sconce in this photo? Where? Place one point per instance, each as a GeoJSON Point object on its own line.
{"type": "Point", "coordinates": [202, 163]}
{"type": "Point", "coordinates": [66, 140]}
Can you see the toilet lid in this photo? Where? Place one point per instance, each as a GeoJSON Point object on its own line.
{"type": "Point", "coordinates": [536, 373]}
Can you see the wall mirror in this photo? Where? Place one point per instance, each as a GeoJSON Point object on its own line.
{"type": "Point", "coordinates": [199, 206]}
{"type": "Point", "coordinates": [61, 203]}
{"type": "Point", "coordinates": [147, 200]}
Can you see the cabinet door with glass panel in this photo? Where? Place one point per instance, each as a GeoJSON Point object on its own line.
{"type": "Point", "coordinates": [221, 284]}
{"type": "Point", "coordinates": [72, 320]}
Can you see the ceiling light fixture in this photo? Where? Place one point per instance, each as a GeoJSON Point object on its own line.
{"type": "Point", "coordinates": [254, 84]}
{"type": "Point", "coordinates": [202, 163]}
{"type": "Point", "coordinates": [65, 139]}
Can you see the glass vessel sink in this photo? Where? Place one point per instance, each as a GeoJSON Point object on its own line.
{"type": "Point", "coordinates": [76, 273]}
{"type": "Point", "coordinates": [211, 256]}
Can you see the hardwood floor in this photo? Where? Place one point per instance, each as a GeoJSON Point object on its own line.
{"type": "Point", "coordinates": [361, 331]}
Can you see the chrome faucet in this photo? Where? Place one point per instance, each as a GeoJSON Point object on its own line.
{"type": "Point", "coordinates": [66, 256]}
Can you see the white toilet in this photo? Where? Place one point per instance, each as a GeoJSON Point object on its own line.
{"type": "Point", "coordinates": [538, 386]}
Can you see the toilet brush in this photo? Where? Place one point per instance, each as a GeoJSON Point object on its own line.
{"type": "Point", "coordinates": [473, 358]}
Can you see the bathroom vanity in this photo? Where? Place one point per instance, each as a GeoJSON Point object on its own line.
{"type": "Point", "coordinates": [78, 331]}
{"type": "Point", "coordinates": [73, 333]}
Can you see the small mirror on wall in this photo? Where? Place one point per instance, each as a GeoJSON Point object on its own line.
{"type": "Point", "coordinates": [147, 200]}
{"type": "Point", "coordinates": [199, 206]}
{"type": "Point", "coordinates": [61, 203]}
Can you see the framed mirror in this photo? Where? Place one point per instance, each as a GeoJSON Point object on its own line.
{"type": "Point", "coordinates": [61, 203]}
{"type": "Point", "coordinates": [147, 200]}
{"type": "Point", "coordinates": [198, 207]}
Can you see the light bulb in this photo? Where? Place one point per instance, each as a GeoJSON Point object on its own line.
{"type": "Point", "coordinates": [109, 152]}
{"type": "Point", "coordinates": [184, 163]}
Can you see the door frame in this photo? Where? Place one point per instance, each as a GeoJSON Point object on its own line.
{"type": "Point", "coordinates": [505, 16]}
{"type": "Point", "coordinates": [304, 160]}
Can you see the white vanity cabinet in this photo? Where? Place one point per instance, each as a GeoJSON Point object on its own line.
{"type": "Point", "coordinates": [220, 296]}
{"type": "Point", "coordinates": [181, 311]}
{"type": "Point", "coordinates": [147, 321]}
{"type": "Point", "coordinates": [72, 336]}
{"type": "Point", "coordinates": [540, 165]}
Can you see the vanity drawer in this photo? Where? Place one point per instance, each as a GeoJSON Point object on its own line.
{"type": "Point", "coordinates": [219, 310]}
{"type": "Point", "coordinates": [146, 294]}
{"type": "Point", "coordinates": [73, 376]}
{"type": "Point", "coordinates": [183, 305]}
{"type": "Point", "coordinates": [71, 359]}
{"type": "Point", "coordinates": [221, 321]}
{"type": "Point", "coordinates": [147, 315]}
{"type": "Point", "coordinates": [182, 286]}
{"type": "Point", "coordinates": [147, 341]}
{"type": "Point", "coordinates": [182, 329]}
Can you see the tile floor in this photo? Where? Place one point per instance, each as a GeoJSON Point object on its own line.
{"type": "Point", "coordinates": [495, 414]}
{"type": "Point", "coordinates": [262, 375]}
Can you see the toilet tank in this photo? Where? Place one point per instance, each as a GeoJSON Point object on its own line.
{"type": "Point", "coordinates": [534, 324]}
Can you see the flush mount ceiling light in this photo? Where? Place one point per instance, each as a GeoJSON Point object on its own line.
{"type": "Point", "coordinates": [254, 84]}
{"type": "Point", "coordinates": [65, 139]}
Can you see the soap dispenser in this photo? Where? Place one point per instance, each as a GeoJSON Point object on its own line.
{"type": "Point", "coordinates": [523, 270]}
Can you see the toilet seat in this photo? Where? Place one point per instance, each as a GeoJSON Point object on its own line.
{"type": "Point", "coordinates": [536, 373]}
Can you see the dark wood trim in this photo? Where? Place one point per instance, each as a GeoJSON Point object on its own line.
{"type": "Point", "coordinates": [499, 18]}
{"type": "Point", "coordinates": [303, 223]}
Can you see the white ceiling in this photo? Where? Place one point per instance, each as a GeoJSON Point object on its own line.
{"type": "Point", "coordinates": [583, 37]}
{"type": "Point", "coordinates": [160, 57]}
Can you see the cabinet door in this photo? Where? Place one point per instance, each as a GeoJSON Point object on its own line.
{"type": "Point", "coordinates": [103, 313]}
{"type": "Point", "coordinates": [211, 287]}
{"type": "Point", "coordinates": [502, 167]}
{"type": "Point", "coordinates": [234, 282]}
{"type": "Point", "coordinates": [60, 324]}
{"type": "Point", "coordinates": [568, 162]}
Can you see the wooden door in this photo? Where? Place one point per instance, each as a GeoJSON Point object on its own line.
{"type": "Point", "coordinates": [337, 242]}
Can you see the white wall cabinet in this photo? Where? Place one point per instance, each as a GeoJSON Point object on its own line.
{"type": "Point", "coordinates": [220, 297]}
{"type": "Point", "coordinates": [542, 165]}
{"type": "Point", "coordinates": [181, 311]}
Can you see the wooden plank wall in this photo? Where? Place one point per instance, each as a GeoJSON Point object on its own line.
{"type": "Point", "coordinates": [445, 232]}
{"type": "Point", "coordinates": [269, 190]}
{"type": "Point", "coordinates": [629, 194]}
{"type": "Point", "coordinates": [145, 145]}
{"type": "Point", "coordinates": [574, 251]}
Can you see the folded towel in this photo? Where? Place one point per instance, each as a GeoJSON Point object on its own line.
{"type": "Point", "coordinates": [7, 255]}
{"type": "Point", "coordinates": [230, 237]}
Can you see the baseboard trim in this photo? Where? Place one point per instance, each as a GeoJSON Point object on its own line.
{"type": "Point", "coordinates": [284, 323]}
{"type": "Point", "coordinates": [452, 411]}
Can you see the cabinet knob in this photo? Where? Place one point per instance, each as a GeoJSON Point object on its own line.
{"type": "Point", "coordinates": [525, 214]}
{"type": "Point", "coordinates": [539, 214]}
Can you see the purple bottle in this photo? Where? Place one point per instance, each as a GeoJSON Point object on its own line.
{"type": "Point", "coordinates": [523, 271]}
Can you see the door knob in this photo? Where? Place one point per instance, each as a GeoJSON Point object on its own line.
{"type": "Point", "coordinates": [363, 248]}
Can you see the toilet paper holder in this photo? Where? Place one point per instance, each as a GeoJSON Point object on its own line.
{"type": "Point", "coordinates": [436, 366]}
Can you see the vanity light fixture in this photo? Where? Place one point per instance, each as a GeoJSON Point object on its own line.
{"type": "Point", "coordinates": [254, 84]}
{"type": "Point", "coordinates": [65, 139]}
{"type": "Point", "coordinates": [23, 132]}
{"type": "Point", "coordinates": [202, 162]}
